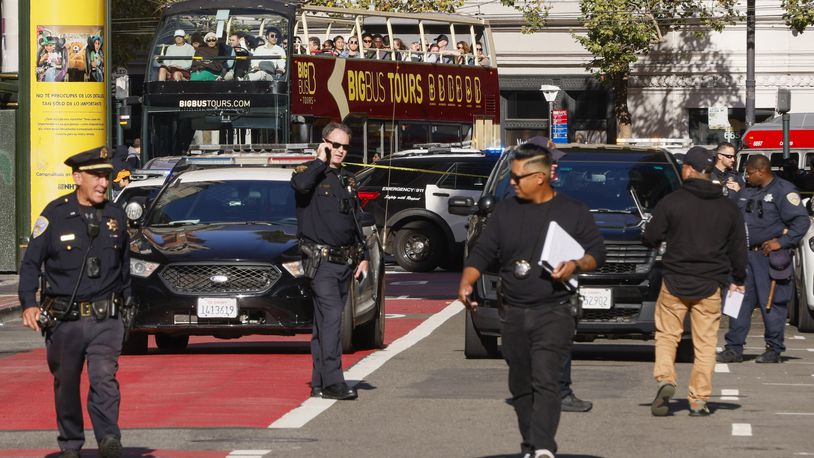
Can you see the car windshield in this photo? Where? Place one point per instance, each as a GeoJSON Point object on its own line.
{"type": "Point", "coordinates": [235, 201]}
{"type": "Point", "coordinates": [128, 193]}
{"type": "Point", "coordinates": [607, 186]}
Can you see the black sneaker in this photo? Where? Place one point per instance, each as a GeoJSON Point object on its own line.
{"type": "Point", "coordinates": [571, 403]}
{"type": "Point", "coordinates": [110, 447]}
{"type": "Point", "coordinates": [768, 356]}
{"type": "Point", "coordinates": [729, 356]}
{"type": "Point", "coordinates": [660, 406]}
{"type": "Point", "coordinates": [699, 409]}
{"type": "Point", "coordinates": [316, 391]}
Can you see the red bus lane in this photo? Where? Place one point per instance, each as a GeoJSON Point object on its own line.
{"type": "Point", "coordinates": [249, 382]}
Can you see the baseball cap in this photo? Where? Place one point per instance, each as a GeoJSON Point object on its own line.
{"type": "Point", "coordinates": [179, 33]}
{"type": "Point", "coordinates": [122, 175]}
{"type": "Point", "coordinates": [780, 265]}
{"type": "Point", "coordinates": [700, 159]}
{"type": "Point", "coordinates": [543, 141]}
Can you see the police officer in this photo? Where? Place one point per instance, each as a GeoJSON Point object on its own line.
{"type": "Point", "coordinates": [775, 220]}
{"type": "Point", "coordinates": [537, 324]}
{"type": "Point", "coordinates": [724, 174]}
{"type": "Point", "coordinates": [81, 239]}
{"type": "Point", "coordinates": [330, 239]}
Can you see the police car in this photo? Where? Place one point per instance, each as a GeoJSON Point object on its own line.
{"type": "Point", "coordinates": [407, 194]}
{"type": "Point", "coordinates": [216, 254]}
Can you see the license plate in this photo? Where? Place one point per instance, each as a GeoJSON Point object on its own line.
{"type": "Point", "coordinates": [217, 307]}
{"type": "Point", "coordinates": [596, 298]}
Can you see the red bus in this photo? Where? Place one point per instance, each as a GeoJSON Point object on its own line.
{"type": "Point", "coordinates": [250, 79]}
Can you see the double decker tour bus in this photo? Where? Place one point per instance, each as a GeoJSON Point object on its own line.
{"type": "Point", "coordinates": [256, 79]}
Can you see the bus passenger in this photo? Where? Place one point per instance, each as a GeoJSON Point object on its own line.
{"type": "Point", "coordinates": [298, 48]}
{"type": "Point", "coordinates": [433, 56]}
{"type": "Point", "coordinates": [399, 49]}
{"type": "Point", "coordinates": [352, 51]}
{"type": "Point", "coordinates": [328, 48]}
{"type": "Point", "coordinates": [464, 54]}
{"type": "Point", "coordinates": [378, 43]}
{"type": "Point", "coordinates": [446, 56]}
{"type": "Point", "coordinates": [339, 44]}
{"type": "Point", "coordinates": [204, 68]}
{"type": "Point", "coordinates": [415, 52]}
{"type": "Point", "coordinates": [177, 69]}
{"type": "Point", "coordinates": [239, 67]}
{"type": "Point", "coordinates": [313, 46]}
{"type": "Point", "coordinates": [196, 40]}
{"type": "Point", "coordinates": [267, 69]}
{"type": "Point", "coordinates": [367, 44]}
{"type": "Point", "coordinates": [480, 57]}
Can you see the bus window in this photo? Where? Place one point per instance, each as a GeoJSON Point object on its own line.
{"type": "Point", "coordinates": [446, 134]}
{"type": "Point", "coordinates": [412, 133]}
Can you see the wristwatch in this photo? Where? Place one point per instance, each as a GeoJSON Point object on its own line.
{"type": "Point", "coordinates": [576, 267]}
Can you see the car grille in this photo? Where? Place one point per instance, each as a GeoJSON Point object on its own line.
{"type": "Point", "coordinates": [622, 258]}
{"type": "Point", "coordinates": [219, 278]}
{"type": "Point", "coordinates": [614, 314]}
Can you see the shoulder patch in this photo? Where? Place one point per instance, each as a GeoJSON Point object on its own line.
{"type": "Point", "coordinates": [793, 198]}
{"type": "Point", "coordinates": [39, 226]}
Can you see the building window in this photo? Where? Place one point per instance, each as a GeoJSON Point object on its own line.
{"type": "Point", "coordinates": [526, 105]}
{"type": "Point", "coordinates": [701, 134]}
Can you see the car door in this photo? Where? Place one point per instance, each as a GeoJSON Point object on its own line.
{"type": "Point", "coordinates": [463, 179]}
{"type": "Point", "coordinates": [366, 288]}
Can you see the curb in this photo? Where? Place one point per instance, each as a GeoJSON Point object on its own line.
{"type": "Point", "coordinates": [10, 313]}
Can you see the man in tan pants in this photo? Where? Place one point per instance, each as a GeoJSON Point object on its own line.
{"type": "Point", "coordinates": [706, 252]}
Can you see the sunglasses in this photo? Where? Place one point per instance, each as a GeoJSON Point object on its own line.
{"type": "Point", "coordinates": [460, 47]}
{"type": "Point", "coordinates": [368, 41]}
{"type": "Point", "coordinates": [353, 42]}
{"type": "Point", "coordinates": [516, 178]}
{"type": "Point", "coordinates": [479, 49]}
{"type": "Point", "coordinates": [728, 156]}
{"type": "Point", "coordinates": [759, 206]}
{"type": "Point", "coordinates": [337, 145]}
{"type": "Point", "coordinates": [272, 35]}
{"type": "Point", "coordinates": [212, 41]}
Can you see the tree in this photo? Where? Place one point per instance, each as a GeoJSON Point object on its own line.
{"type": "Point", "coordinates": [799, 14]}
{"type": "Point", "coordinates": [621, 31]}
{"type": "Point", "coordinates": [134, 23]}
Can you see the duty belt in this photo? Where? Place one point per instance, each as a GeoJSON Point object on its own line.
{"type": "Point", "coordinates": [79, 309]}
{"type": "Point", "coordinates": [347, 254]}
{"type": "Point", "coordinates": [758, 247]}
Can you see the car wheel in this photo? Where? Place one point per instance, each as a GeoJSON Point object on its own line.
{"type": "Point", "coordinates": [418, 247]}
{"type": "Point", "coordinates": [476, 345]}
{"type": "Point", "coordinates": [136, 344]}
{"type": "Point", "coordinates": [686, 351]}
{"type": "Point", "coordinates": [347, 321]}
{"type": "Point", "coordinates": [805, 319]}
{"type": "Point", "coordinates": [169, 342]}
{"type": "Point", "coordinates": [371, 334]}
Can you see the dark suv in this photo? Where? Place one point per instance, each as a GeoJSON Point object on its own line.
{"type": "Point", "coordinates": [408, 195]}
{"type": "Point", "coordinates": [620, 185]}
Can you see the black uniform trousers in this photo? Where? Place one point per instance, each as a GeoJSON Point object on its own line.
{"type": "Point", "coordinates": [330, 289]}
{"type": "Point", "coordinates": [536, 342]}
{"type": "Point", "coordinates": [69, 346]}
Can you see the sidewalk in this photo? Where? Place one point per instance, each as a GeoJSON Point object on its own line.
{"type": "Point", "coordinates": [9, 304]}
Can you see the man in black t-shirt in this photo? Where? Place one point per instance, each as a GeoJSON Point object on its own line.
{"type": "Point", "coordinates": [536, 322]}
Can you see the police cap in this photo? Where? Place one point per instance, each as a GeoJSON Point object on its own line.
{"type": "Point", "coordinates": [92, 159]}
{"type": "Point", "coordinates": [780, 265]}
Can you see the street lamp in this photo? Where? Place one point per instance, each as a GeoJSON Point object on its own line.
{"type": "Point", "coordinates": [550, 92]}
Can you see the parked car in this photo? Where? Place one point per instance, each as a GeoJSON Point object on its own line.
{"type": "Point", "coordinates": [407, 194]}
{"type": "Point", "coordinates": [216, 254]}
{"type": "Point", "coordinates": [621, 186]}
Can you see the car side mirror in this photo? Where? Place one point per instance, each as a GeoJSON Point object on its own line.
{"type": "Point", "coordinates": [366, 219]}
{"type": "Point", "coordinates": [462, 206]}
{"type": "Point", "coordinates": [486, 204]}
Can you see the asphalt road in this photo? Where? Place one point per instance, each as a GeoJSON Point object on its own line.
{"type": "Point", "coordinates": [428, 400]}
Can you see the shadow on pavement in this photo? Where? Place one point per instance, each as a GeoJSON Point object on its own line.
{"type": "Point", "coordinates": [559, 455]}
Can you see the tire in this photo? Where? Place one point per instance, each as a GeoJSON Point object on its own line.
{"type": "Point", "coordinates": [347, 322]}
{"type": "Point", "coordinates": [686, 351]}
{"type": "Point", "coordinates": [476, 345]}
{"type": "Point", "coordinates": [418, 247]}
{"type": "Point", "coordinates": [371, 334]}
{"type": "Point", "coordinates": [805, 319]}
{"type": "Point", "coordinates": [136, 344]}
{"type": "Point", "coordinates": [169, 342]}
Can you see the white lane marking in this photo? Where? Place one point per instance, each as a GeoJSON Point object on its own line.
{"type": "Point", "coordinates": [312, 407]}
{"type": "Point", "coordinates": [741, 429]}
{"type": "Point", "coordinates": [788, 384]}
{"type": "Point", "coordinates": [394, 315]}
{"type": "Point", "coordinates": [796, 413]}
{"type": "Point", "coordinates": [394, 272]}
{"type": "Point", "coordinates": [409, 283]}
{"type": "Point", "coordinates": [803, 454]}
{"type": "Point", "coordinates": [248, 453]}
{"type": "Point", "coordinates": [729, 395]}
{"type": "Point", "coordinates": [396, 298]}
{"type": "Point", "coordinates": [721, 368]}
{"type": "Point", "coordinates": [798, 337]}
{"type": "Point", "coordinates": [811, 349]}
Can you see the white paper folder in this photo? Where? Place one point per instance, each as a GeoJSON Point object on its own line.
{"type": "Point", "coordinates": [559, 247]}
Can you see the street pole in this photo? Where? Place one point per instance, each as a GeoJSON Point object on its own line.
{"type": "Point", "coordinates": [550, 119]}
{"type": "Point", "coordinates": [750, 63]}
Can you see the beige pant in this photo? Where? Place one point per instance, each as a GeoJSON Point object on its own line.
{"type": "Point", "coordinates": [705, 317]}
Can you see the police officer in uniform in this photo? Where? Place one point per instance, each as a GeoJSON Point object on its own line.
{"type": "Point", "coordinates": [537, 323]}
{"type": "Point", "coordinates": [332, 243]}
{"type": "Point", "coordinates": [775, 220]}
{"type": "Point", "coordinates": [724, 174]}
{"type": "Point", "coordinates": [81, 239]}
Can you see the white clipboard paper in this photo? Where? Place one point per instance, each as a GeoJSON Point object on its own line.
{"type": "Point", "coordinates": [732, 303]}
{"type": "Point", "coordinates": [559, 247]}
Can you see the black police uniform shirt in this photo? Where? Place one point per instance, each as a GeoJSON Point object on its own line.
{"type": "Point", "coordinates": [720, 178]}
{"type": "Point", "coordinates": [517, 230]}
{"type": "Point", "coordinates": [60, 240]}
{"type": "Point", "coordinates": [325, 204]}
{"type": "Point", "coordinates": [769, 210]}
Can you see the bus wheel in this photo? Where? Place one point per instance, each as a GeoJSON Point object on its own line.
{"type": "Point", "coordinates": [418, 246]}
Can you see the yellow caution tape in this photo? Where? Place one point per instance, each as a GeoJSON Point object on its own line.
{"type": "Point", "coordinates": [410, 169]}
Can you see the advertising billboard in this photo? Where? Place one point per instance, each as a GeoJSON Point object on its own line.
{"type": "Point", "coordinates": [68, 52]}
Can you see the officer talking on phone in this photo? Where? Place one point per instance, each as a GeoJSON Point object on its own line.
{"type": "Point", "coordinates": [81, 240]}
{"type": "Point", "coordinates": [332, 244]}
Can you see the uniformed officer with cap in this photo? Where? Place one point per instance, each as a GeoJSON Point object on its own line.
{"type": "Point", "coordinates": [775, 221]}
{"type": "Point", "coordinates": [81, 240]}
{"type": "Point", "coordinates": [332, 242]}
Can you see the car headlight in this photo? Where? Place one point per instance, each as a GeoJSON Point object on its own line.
{"type": "Point", "coordinates": [294, 268]}
{"type": "Point", "coordinates": [141, 268]}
